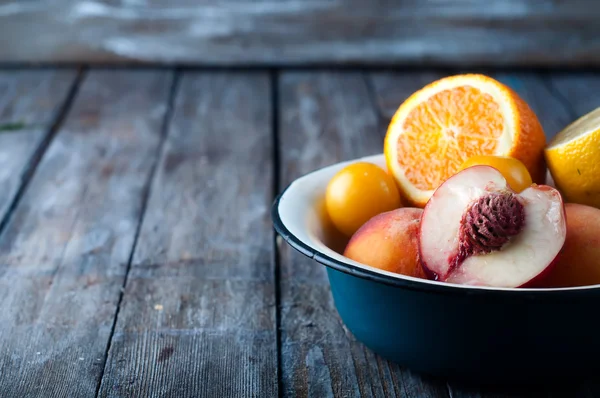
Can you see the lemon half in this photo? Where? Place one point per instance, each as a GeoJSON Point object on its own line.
{"type": "Point", "coordinates": [573, 158]}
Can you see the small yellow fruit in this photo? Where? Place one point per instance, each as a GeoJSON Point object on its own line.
{"type": "Point", "coordinates": [516, 174]}
{"type": "Point", "coordinates": [573, 158]}
{"type": "Point", "coordinates": [359, 192]}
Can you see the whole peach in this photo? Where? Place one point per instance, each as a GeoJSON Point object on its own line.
{"type": "Point", "coordinates": [389, 241]}
{"type": "Point", "coordinates": [579, 261]}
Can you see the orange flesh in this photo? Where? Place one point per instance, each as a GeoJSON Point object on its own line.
{"type": "Point", "coordinates": [445, 131]}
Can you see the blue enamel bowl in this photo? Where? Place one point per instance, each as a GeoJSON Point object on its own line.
{"type": "Point", "coordinates": [457, 332]}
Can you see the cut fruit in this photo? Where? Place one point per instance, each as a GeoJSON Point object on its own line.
{"type": "Point", "coordinates": [475, 230]}
{"type": "Point", "coordinates": [573, 158]}
{"type": "Point", "coordinates": [450, 120]}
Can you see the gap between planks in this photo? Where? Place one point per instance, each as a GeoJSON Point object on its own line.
{"type": "Point", "coordinates": [274, 82]}
{"type": "Point", "coordinates": [145, 195]}
{"type": "Point", "coordinates": [202, 145]}
{"type": "Point", "coordinates": [559, 96]}
{"type": "Point", "coordinates": [55, 125]}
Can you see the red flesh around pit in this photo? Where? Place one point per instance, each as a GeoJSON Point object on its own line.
{"type": "Point", "coordinates": [522, 261]}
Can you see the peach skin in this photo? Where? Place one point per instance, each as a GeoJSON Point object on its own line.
{"type": "Point", "coordinates": [388, 241]}
{"type": "Point", "coordinates": [579, 260]}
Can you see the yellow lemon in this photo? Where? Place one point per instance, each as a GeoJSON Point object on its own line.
{"type": "Point", "coordinates": [573, 158]}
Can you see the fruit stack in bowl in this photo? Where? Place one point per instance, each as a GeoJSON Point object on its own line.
{"type": "Point", "coordinates": [473, 193]}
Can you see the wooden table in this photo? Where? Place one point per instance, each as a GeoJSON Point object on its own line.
{"type": "Point", "coordinates": [137, 255]}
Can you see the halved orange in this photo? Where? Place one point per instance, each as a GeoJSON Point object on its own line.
{"type": "Point", "coordinates": [452, 119]}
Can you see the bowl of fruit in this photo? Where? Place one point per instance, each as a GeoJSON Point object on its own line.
{"type": "Point", "coordinates": [470, 247]}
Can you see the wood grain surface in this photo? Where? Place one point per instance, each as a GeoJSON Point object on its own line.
{"type": "Point", "coordinates": [31, 103]}
{"type": "Point", "coordinates": [326, 118]}
{"type": "Point", "coordinates": [389, 89]}
{"type": "Point", "coordinates": [302, 32]}
{"type": "Point", "coordinates": [137, 256]}
{"type": "Point", "coordinates": [578, 91]}
{"type": "Point", "coordinates": [198, 313]}
{"type": "Point", "coordinates": [64, 253]}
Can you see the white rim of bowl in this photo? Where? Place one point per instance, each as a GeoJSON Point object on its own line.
{"type": "Point", "coordinates": [328, 257]}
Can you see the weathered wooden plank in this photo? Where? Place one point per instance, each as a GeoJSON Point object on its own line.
{"type": "Point", "coordinates": [464, 32]}
{"type": "Point", "coordinates": [30, 102]}
{"type": "Point", "coordinates": [326, 118]}
{"type": "Point", "coordinates": [198, 313]}
{"type": "Point", "coordinates": [31, 98]}
{"type": "Point", "coordinates": [64, 253]}
{"type": "Point", "coordinates": [577, 90]}
{"type": "Point", "coordinates": [390, 89]}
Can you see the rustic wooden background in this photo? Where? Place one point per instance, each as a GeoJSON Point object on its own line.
{"type": "Point", "coordinates": [107, 235]}
{"type": "Point", "coordinates": [137, 254]}
{"type": "Point", "coordinates": [302, 32]}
